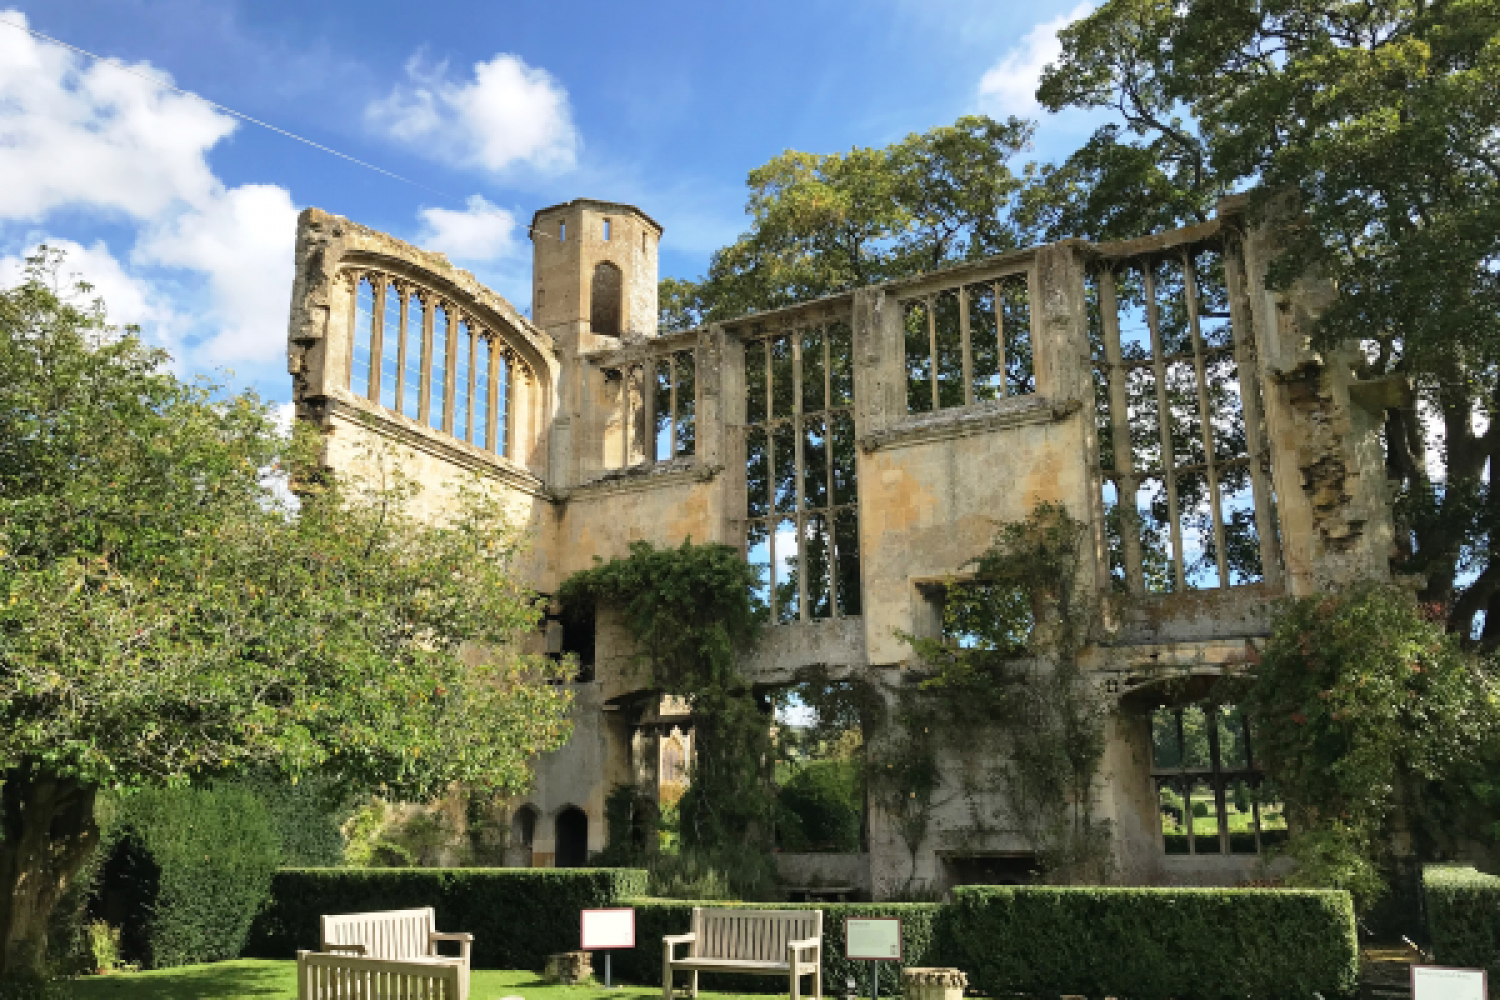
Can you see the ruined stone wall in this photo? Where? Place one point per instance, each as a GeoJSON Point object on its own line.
{"type": "Point", "coordinates": [863, 448]}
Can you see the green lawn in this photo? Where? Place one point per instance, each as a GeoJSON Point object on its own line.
{"type": "Point", "coordinates": [252, 978]}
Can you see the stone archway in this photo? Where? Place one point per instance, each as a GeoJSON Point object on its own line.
{"type": "Point", "coordinates": [606, 299]}
{"type": "Point", "coordinates": [572, 838]}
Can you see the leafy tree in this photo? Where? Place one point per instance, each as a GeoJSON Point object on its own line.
{"type": "Point", "coordinates": [825, 223]}
{"type": "Point", "coordinates": [1378, 728]}
{"type": "Point", "coordinates": [1377, 119]}
{"type": "Point", "coordinates": [166, 612]}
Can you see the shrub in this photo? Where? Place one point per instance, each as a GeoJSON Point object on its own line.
{"type": "Point", "coordinates": [1463, 917]}
{"type": "Point", "coordinates": [1152, 944]}
{"type": "Point", "coordinates": [821, 805]}
{"type": "Point", "coordinates": [186, 870]}
{"type": "Point", "coordinates": [518, 916]}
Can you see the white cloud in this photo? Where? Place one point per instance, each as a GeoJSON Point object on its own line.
{"type": "Point", "coordinates": [242, 240]}
{"type": "Point", "coordinates": [1009, 86]}
{"type": "Point", "coordinates": [508, 114]}
{"type": "Point", "coordinates": [92, 135]}
{"type": "Point", "coordinates": [481, 232]}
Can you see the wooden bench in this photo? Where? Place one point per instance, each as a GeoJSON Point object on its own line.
{"type": "Point", "coordinates": [389, 954]}
{"type": "Point", "coordinates": [757, 942]}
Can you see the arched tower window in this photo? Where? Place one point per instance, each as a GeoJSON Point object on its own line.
{"type": "Point", "coordinates": [606, 292]}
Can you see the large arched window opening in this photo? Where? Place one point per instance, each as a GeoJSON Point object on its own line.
{"type": "Point", "coordinates": [420, 355]}
{"type": "Point", "coordinates": [606, 298]}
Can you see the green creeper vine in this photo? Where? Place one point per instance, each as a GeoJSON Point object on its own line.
{"type": "Point", "coordinates": [1007, 674]}
{"type": "Point", "coordinates": [691, 614]}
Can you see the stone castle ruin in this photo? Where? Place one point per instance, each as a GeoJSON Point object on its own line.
{"type": "Point", "coordinates": [1154, 388]}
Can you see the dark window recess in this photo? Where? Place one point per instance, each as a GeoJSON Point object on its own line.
{"type": "Point", "coordinates": [990, 869]}
{"type": "Point", "coordinates": [572, 838]}
{"type": "Point", "coordinates": [606, 292]}
{"type": "Point", "coordinates": [578, 639]}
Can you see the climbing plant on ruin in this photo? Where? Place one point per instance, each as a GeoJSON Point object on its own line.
{"type": "Point", "coordinates": [690, 613]}
{"type": "Point", "coordinates": [1006, 675]}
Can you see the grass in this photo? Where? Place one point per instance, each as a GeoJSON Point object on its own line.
{"type": "Point", "coordinates": [254, 979]}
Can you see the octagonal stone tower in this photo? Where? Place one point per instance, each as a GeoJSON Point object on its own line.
{"type": "Point", "coordinates": [594, 272]}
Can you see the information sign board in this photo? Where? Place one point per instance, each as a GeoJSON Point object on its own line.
{"type": "Point", "coordinates": [874, 939]}
{"type": "Point", "coordinates": [1436, 982]}
{"type": "Point", "coordinates": [605, 929]}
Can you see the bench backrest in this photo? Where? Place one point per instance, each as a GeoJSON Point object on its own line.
{"type": "Point", "coordinates": [391, 934]}
{"type": "Point", "coordinates": [752, 935]}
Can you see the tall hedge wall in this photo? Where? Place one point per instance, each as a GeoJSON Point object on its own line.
{"type": "Point", "coordinates": [1463, 918]}
{"type": "Point", "coordinates": [518, 916]}
{"type": "Point", "coordinates": [1154, 944]}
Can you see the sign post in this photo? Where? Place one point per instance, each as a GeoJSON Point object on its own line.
{"type": "Point", "coordinates": [873, 940]}
{"type": "Point", "coordinates": [1437, 982]}
{"type": "Point", "coordinates": [604, 930]}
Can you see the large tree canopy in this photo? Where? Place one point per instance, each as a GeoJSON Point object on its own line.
{"type": "Point", "coordinates": [828, 222]}
{"type": "Point", "coordinates": [168, 610]}
{"type": "Point", "coordinates": [1382, 119]}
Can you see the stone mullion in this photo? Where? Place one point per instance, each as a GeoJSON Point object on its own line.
{"type": "Point", "coordinates": [932, 352]}
{"type": "Point", "coordinates": [799, 466]}
{"type": "Point", "coordinates": [1164, 424]}
{"type": "Point", "coordinates": [377, 335]}
{"type": "Point", "coordinates": [424, 391]}
{"type": "Point", "coordinates": [1205, 417]}
{"type": "Point", "coordinates": [1126, 483]}
{"type": "Point", "coordinates": [1187, 785]}
{"type": "Point", "coordinates": [400, 348]}
{"type": "Point", "coordinates": [999, 298]}
{"type": "Point", "coordinates": [355, 278]}
{"type": "Point", "coordinates": [672, 420]}
{"type": "Point", "coordinates": [1240, 325]}
{"type": "Point", "coordinates": [770, 445]}
{"type": "Point", "coordinates": [965, 348]}
{"type": "Point", "coordinates": [492, 389]}
{"type": "Point", "coordinates": [832, 515]}
{"type": "Point", "coordinates": [648, 404]}
{"type": "Point", "coordinates": [450, 372]}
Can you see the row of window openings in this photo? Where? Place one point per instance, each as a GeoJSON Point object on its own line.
{"type": "Point", "coordinates": [1185, 505]}
{"type": "Point", "coordinates": [416, 370]}
{"type": "Point", "coordinates": [1211, 797]}
{"type": "Point", "coordinates": [660, 407]}
{"type": "Point", "coordinates": [607, 228]}
{"type": "Point", "coordinates": [802, 533]}
{"type": "Point", "coordinates": [969, 345]}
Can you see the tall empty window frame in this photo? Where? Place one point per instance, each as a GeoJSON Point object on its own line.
{"type": "Point", "coordinates": [802, 521]}
{"type": "Point", "coordinates": [1211, 796]}
{"type": "Point", "coordinates": [969, 344]}
{"type": "Point", "coordinates": [1187, 502]}
{"type": "Point", "coordinates": [416, 355]}
{"type": "Point", "coordinates": [658, 406]}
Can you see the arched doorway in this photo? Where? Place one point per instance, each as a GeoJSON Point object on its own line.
{"type": "Point", "coordinates": [606, 292]}
{"type": "Point", "coordinates": [522, 836]}
{"type": "Point", "coordinates": [572, 838]}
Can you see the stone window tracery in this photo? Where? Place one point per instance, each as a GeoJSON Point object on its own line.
{"type": "Point", "coordinates": [969, 344]}
{"type": "Point", "coordinates": [1188, 504]}
{"type": "Point", "coordinates": [420, 356]}
{"type": "Point", "coordinates": [1212, 797]}
{"type": "Point", "coordinates": [801, 498]}
{"type": "Point", "coordinates": [658, 405]}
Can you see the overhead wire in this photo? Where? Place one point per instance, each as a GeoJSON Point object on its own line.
{"type": "Point", "coordinates": [160, 82]}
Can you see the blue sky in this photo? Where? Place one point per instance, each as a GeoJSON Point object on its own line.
{"type": "Point", "coordinates": [184, 217]}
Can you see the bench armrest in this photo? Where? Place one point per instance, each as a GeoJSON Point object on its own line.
{"type": "Point", "coordinates": [807, 944]}
{"type": "Point", "coordinates": [670, 942]}
{"type": "Point", "coordinates": [465, 942]}
{"type": "Point", "coordinates": [353, 949]}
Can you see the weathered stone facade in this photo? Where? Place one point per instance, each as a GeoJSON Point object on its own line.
{"type": "Point", "coordinates": [873, 439]}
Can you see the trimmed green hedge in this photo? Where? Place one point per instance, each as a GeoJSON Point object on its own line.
{"type": "Point", "coordinates": [921, 931]}
{"type": "Point", "coordinates": [518, 916]}
{"type": "Point", "coordinates": [1152, 944]}
{"type": "Point", "coordinates": [1463, 917]}
{"type": "Point", "coordinates": [185, 872]}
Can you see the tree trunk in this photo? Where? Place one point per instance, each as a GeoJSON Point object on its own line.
{"type": "Point", "coordinates": [46, 833]}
